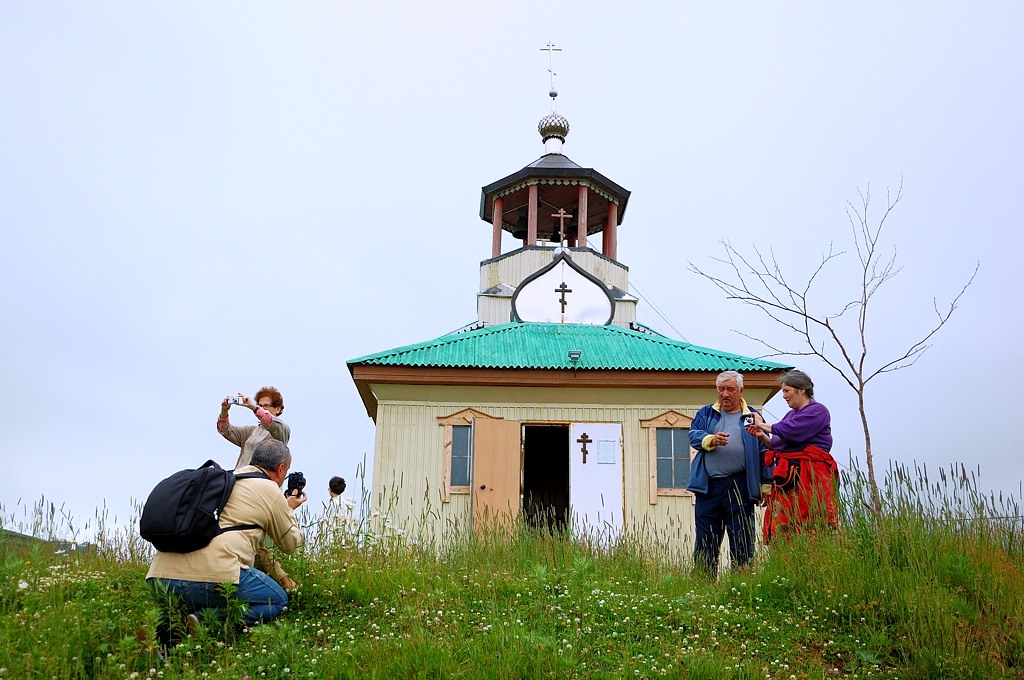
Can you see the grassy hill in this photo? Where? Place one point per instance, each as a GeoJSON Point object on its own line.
{"type": "Point", "coordinates": [931, 590]}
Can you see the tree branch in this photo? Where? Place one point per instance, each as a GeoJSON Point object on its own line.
{"type": "Point", "coordinates": [760, 281]}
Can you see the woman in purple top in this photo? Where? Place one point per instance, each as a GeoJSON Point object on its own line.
{"type": "Point", "coordinates": [805, 476]}
{"type": "Point", "coordinates": [808, 422]}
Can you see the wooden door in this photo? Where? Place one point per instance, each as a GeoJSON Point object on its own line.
{"type": "Point", "coordinates": [496, 474]}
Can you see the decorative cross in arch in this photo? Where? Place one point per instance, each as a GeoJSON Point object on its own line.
{"type": "Point", "coordinates": [584, 439]}
{"type": "Point", "coordinates": [563, 289]}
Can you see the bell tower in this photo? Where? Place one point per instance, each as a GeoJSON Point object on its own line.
{"type": "Point", "coordinates": [527, 203]}
{"type": "Point", "coordinates": [552, 206]}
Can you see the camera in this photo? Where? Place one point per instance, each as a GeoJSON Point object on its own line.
{"type": "Point", "coordinates": [234, 400]}
{"type": "Point", "coordinates": [748, 420]}
{"type": "Point", "coordinates": [296, 482]}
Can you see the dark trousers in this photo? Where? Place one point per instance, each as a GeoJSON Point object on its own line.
{"type": "Point", "coordinates": [725, 508]}
{"type": "Point", "coordinates": [262, 596]}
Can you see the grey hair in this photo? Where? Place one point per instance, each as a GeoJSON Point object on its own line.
{"type": "Point", "coordinates": [269, 454]}
{"type": "Point", "coordinates": [727, 375]}
{"type": "Point", "coordinates": [798, 380]}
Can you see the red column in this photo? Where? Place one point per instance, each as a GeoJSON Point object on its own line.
{"type": "Point", "coordinates": [610, 243]}
{"type": "Point", "coordinates": [496, 218]}
{"type": "Point", "coordinates": [581, 218]}
{"type": "Point", "coordinates": [531, 217]}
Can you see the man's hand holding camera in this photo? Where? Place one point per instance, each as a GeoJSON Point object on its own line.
{"type": "Point", "coordinates": [294, 492]}
{"type": "Point", "coordinates": [296, 499]}
{"type": "Point", "coordinates": [294, 496]}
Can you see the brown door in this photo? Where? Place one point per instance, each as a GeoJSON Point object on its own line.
{"type": "Point", "coordinates": [496, 466]}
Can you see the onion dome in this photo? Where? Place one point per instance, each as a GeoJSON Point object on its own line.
{"type": "Point", "coordinates": [553, 126]}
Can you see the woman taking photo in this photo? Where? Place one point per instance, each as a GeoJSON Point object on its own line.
{"type": "Point", "coordinates": [805, 475]}
{"type": "Point", "coordinates": [267, 407]}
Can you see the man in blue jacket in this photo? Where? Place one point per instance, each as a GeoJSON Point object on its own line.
{"type": "Point", "coordinates": [726, 475]}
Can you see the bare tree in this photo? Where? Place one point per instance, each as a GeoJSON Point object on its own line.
{"type": "Point", "coordinates": [760, 281]}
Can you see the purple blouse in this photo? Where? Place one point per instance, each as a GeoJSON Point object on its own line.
{"type": "Point", "coordinates": [810, 426]}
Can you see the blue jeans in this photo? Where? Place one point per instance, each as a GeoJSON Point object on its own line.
{"type": "Point", "coordinates": [725, 508]}
{"type": "Point", "coordinates": [264, 597]}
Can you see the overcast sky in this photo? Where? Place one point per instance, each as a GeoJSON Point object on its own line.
{"type": "Point", "coordinates": [200, 198]}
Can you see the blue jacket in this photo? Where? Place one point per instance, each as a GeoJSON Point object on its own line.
{"type": "Point", "coordinates": [703, 426]}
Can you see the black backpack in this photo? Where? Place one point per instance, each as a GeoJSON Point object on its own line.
{"type": "Point", "coordinates": [182, 512]}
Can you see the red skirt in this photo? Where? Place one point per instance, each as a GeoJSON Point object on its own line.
{"type": "Point", "coordinates": [804, 489]}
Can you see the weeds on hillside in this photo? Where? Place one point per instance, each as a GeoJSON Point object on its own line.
{"type": "Point", "coordinates": [931, 589]}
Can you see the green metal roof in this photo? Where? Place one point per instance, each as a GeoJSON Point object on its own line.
{"type": "Point", "coordinates": [546, 346]}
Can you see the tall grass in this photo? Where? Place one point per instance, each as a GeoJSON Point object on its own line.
{"type": "Point", "coordinates": [932, 589]}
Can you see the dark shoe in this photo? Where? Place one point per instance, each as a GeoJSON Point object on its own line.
{"type": "Point", "coordinates": [192, 625]}
{"type": "Point", "coordinates": [145, 635]}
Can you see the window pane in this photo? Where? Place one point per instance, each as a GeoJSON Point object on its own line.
{"type": "Point", "coordinates": [664, 473]}
{"type": "Point", "coordinates": [663, 437]}
{"type": "Point", "coordinates": [681, 441]}
{"type": "Point", "coordinates": [682, 472]}
{"type": "Point", "coordinates": [460, 441]}
{"type": "Point", "coordinates": [460, 471]}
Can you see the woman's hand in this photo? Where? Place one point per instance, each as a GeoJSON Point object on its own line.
{"type": "Point", "coordinates": [760, 429]}
{"type": "Point", "coordinates": [755, 427]}
{"type": "Point", "coordinates": [759, 433]}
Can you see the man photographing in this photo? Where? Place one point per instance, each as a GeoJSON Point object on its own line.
{"type": "Point", "coordinates": [196, 577]}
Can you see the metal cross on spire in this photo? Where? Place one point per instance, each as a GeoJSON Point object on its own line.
{"type": "Point", "coordinates": [551, 49]}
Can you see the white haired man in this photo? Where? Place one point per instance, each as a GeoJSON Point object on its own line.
{"type": "Point", "coordinates": [726, 475]}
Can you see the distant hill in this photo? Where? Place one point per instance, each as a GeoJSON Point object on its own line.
{"type": "Point", "coordinates": [12, 540]}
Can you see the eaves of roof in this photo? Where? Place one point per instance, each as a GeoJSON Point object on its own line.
{"type": "Point", "coordinates": [546, 346]}
{"type": "Point", "coordinates": [545, 167]}
{"type": "Point", "coordinates": [536, 355]}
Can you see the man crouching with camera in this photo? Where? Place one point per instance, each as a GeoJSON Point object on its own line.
{"type": "Point", "coordinates": [196, 577]}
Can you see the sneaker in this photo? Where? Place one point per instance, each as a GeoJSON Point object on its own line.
{"type": "Point", "coordinates": [192, 625]}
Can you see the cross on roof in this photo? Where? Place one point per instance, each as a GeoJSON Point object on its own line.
{"type": "Point", "coordinates": [561, 215]}
{"type": "Point", "coordinates": [551, 49]}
